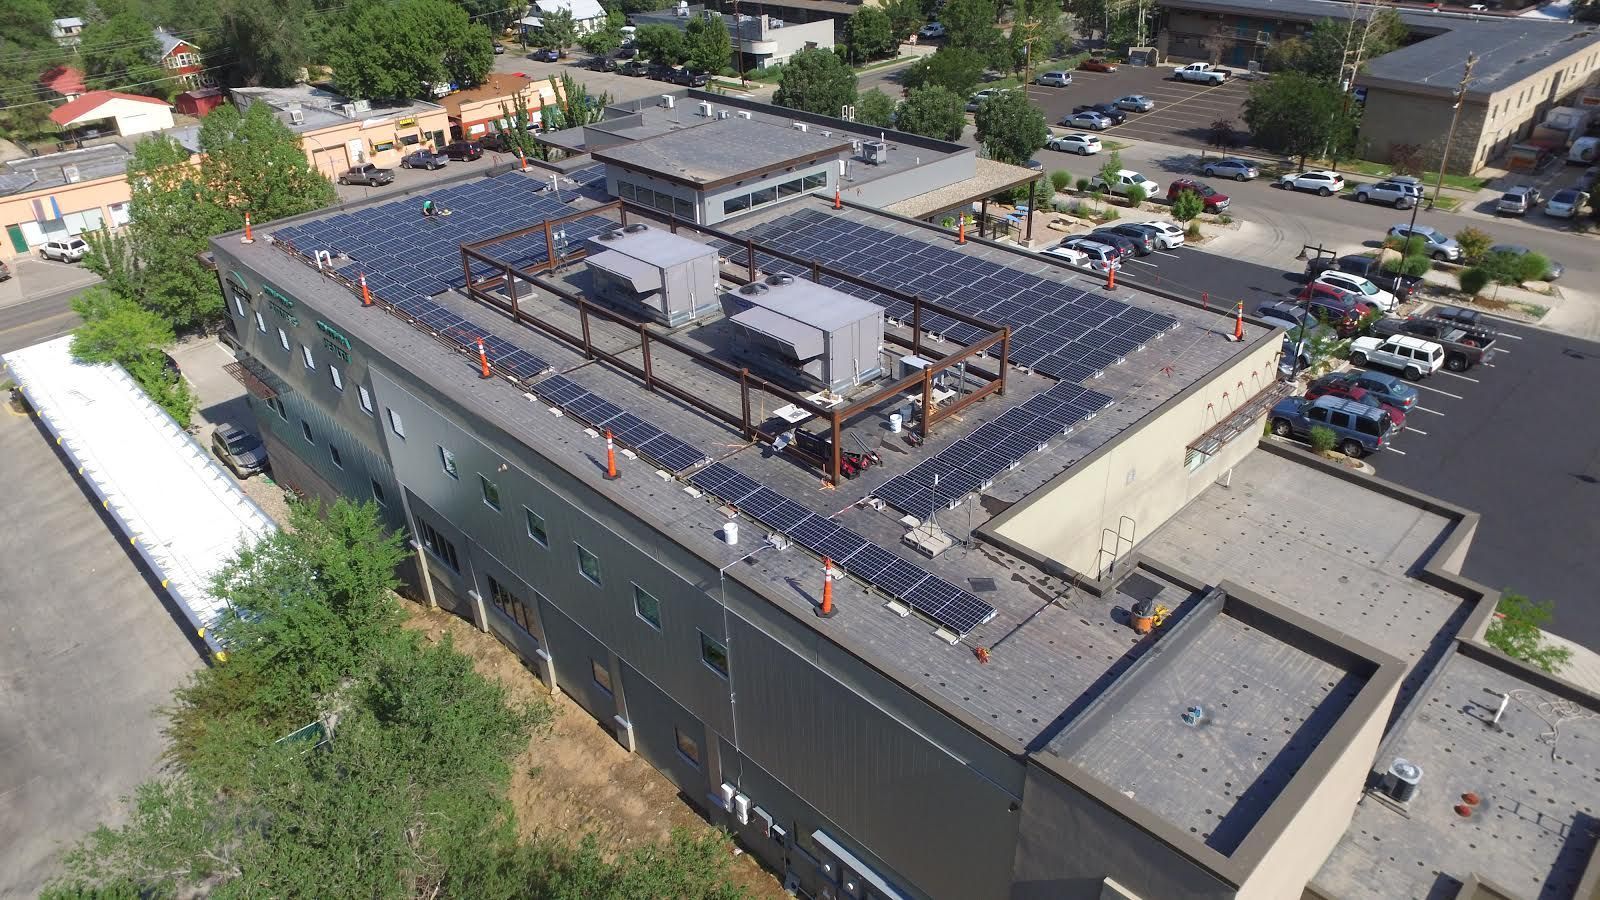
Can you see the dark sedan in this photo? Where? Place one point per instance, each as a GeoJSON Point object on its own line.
{"type": "Point", "coordinates": [423, 159]}
{"type": "Point", "coordinates": [468, 150]}
{"type": "Point", "coordinates": [1109, 110]}
{"type": "Point", "coordinates": [546, 54]}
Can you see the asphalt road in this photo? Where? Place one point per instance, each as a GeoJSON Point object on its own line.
{"type": "Point", "coordinates": [39, 319]}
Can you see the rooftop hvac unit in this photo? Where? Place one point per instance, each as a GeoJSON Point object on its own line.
{"type": "Point", "coordinates": [349, 109]}
{"type": "Point", "coordinates": [71, 174]}
{"type": "Point", "coordinates": [875, 152]}
{"type": "Point", "coordinates": [804, 334]}
{"type": "Point", "coordinates": [649, 273]}
{"type": "Point", "coordinates": [744, 114]}
{"type": "Point", "coordinates": [722, 114]}
{"type": "Point", "coordinates": [667, 100]}
{"type": "Point", "coordinates": [705, 109]}
{"type": "Point", "coordinates": [362, 106]}
{"type": "Point", "coordinates": [800, 126]}
{"type": "Point", "coordinates": [1400, 782]}
{"type": "Point", "coordinates": [297, 116]}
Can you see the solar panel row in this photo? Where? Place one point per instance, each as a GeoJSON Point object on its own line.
{"type": "Point", "coordinates": [940, 601]}
{"type": "Point", "coordinates": [1058, 330]}
{"type": "Point", "coordinates": [669, 452]}
{"type": "Point", "coordinates": [946, 478]}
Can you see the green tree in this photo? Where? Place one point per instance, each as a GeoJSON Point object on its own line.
{"type": "Point", "coordinates": [495, 15]}
{"type": "Point", "coordinates": [607, 38]}
{"type": "Point", "coordinates": [708, 45]}
{"type": "Point", "coordinates": [1288, 55]}
{"type": "Point", "coordinates": [1010, 128]}
{"type": "Point", "coordinates": [1474, 243]}
{"type": "Point", "coordinates": [875, 108]}
{"type": "Point", "coordinates": [662, 44]}
{"type": "Point", "coordinates": [574, 107]}
{"type": "Point", "coordinates": [118, 330]}
{"type": "Point", "coordinates": [120, 53]}
{"type": "Point", "coordinates": [263, 164]}
{"type": "Point", "coordinates": [905, 17]}
{"type": "Point", "coordinates": [396, 49]}
{"type": "Point", "coordinates": [1586, 11]}
{"type": "Point", "coordinates": [1301, 116]}
{"type": "Point", "coordinates": [270, 43]}
{"type": "Point", "coordinates": [816, 81]}
{"type": "Point", "coordinates": [869, 34]}
{"type": "Point", "coordinates": [932, 111]}
{"type": "Point", "coordinates": [1187, 206]}
{"type": "Point", "coordinates": [970, 24]}
{"type": "Point", "coordinates": [956, 69]}
{"type": "Point", "coordinates": [557, 31]}
{"type": "Point", "coordinates": [1515, 631]}
{"type": "Point", "coordinates": [1110, 167]}
{"type": "Point", "coordinates": [26, 49]}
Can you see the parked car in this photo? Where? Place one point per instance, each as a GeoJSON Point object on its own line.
{"type": "Point", "coordinates": [1214, 200]}
{"type": "Point", "coordinates": [1090, 120]}
{"type": "Point", "coordinates": [1393, 193]}
{"type": "Point", "coordinates": [5, 271]}
{"type": "Point", "coordinates": [497, 141]}
{"type": "Point", "coordinates": [977, 100]}
{"type": "Point", "coordinates": [626, 51]}
{"type": "Point", "coordinates": [1325, 184]}
{"type": "Point", "coordinates": [499, 48]}
{"type": "Point", "coordinates": [239, 450]}
{"type": "Point", "coordinates": [1285, 312]}
{"type": "Point", "coordinates": [1096, 64]}
{"type": "Point", "coordinates": [691, 78]}
{"type": "Point", "coordinates": [1518, 201]}
{"type": "Point", "coordinates": [1081, 144]}
{"type": "Point", "coordinates": [1142, 236]}
{"type": "Point", "coordinates": [1109, 110]}
{"type": "Point", "coordinates": [1237, 169]}
{"type": "Point", "coordinates": [1464, 346]}
{"type": "Point", "coordinates": [546, 54]}
{"type": "Point", "coordinates": [1382, 385]}
{"type": "Point", "coordinates": [603, 63]}
{"type": "Point", "coordinates": [1337, 308]}
{"type": "Point", "coordinates": [1566, 203]}
{"type": "Point", "coordinates": [931, 30]}
{"type": "Point", "coordinates": [1054, 79]}
{"type": "Point", "coordinates": [1098, 255]}
{"type": "Point", "coordinates": [1125, 245]}
{"type": "Point", "coordinates": [1125, 180]}
{"type": "Point", "coordinates": [67, 250]}
{"type": "Point", "coordinates": [1204, 73]}
{"type": "Point", "coordinates": [1436, 243]}
{"type": "Point", "coordinates": [1460, 315]}
{"type": "Point", "coordinates": [1071, 255]}
{"type": "Point", "coordinates": [367, 174]}
{"type": "Point", "coordinates": [1169, 235]}
{"type": "Point", "coordinates": [1551, 274]}
{"type": "Point", "coordinates": [1360, 395]}
{"type": "Point", "coordinates": [633, 68]}
{"type": "Point", "coordinates": [1412, 357]}
{"type": "Point", "coordinates": [1370, 268]}
{"type": "Point", "coordinates": [1361, 288]}
{"type": "Point", "coordinates": [1358, 430]}
{"type": "Point", "coordinates": [423, 159]}
{"type": "Point", "coordinates": [468, 150]}
{"type": "Point", "coordinates": [1135, 103]}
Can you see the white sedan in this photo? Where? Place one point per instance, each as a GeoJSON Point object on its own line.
{"type": "Point", "coordinates": [1169, 235]}
{"type": "Point", "coordinates": [1091, 120]}
{"type": "Point", "coordinates": [1323, 183]}
{"type": "Point", "coordinates": [1135, 103]}
{"type": "Point", "coordinates": [1081, 144]}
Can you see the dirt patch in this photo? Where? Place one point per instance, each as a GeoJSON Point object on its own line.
{"type": "Point", "coordinates": [574, 777]}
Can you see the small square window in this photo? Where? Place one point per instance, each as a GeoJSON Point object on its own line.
{"type": "Point", "coordinates": [377, 493]}
{"type": "Point", "coordinates": [283, 338]}
{"type": "Point", "coordinates": [338, 379]}
{"type": "Point", "coordinates": [588, 564]}
{"type": "Point", "coordinates": [366, 398]}
{"type": "Point", "coordinates": [305, 429]}
{"type": "Point", "coordinates": [305, 354]}
{"type": "Point", "coordinates": [536, 527]}
{"type": "Point", "coordinates": [647, 607]}
{"type": "Point", "coordinates": [333, 452]}
{"type": "Point", "coordinates": [602, 676]}
{"type": "Point", "coordinates": [261, 323]}
{"type": "Point", "coordinates": [396, 423]}
{"type": "Point", "coordinates": [447, 461]}
{"type": "Point", "coordinates": [687, 747]}
{"type": "Point", "coordinates": [491, 493]}
{"type": "Point", "coordinates": [714, 654]}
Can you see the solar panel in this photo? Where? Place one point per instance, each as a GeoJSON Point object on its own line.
{"type": "Point", "coordinates": [673, 455]}
{"type": "Point", "coordinates": [869, 561]}
{"type": "Point", "coordinates": [898, 578]}
{"type": "Point", "coordinates": [559, 390]}
{"type": "Point", "coordinates": [949, 605]}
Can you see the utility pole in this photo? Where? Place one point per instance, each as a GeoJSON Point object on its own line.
{"type": "Point", "coordinates": [1455, 116]}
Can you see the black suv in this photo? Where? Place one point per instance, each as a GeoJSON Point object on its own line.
{"type": "Point", "coordinates": [1109, 110]}
{"type": "Point", "coordinates": [602, 64]}
{"type": "Point", "coordinates": [468, 150]}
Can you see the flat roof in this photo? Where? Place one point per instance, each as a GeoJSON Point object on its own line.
{"type": "Point", "coordinates": [320, 105]}
{"type": "Point", "coordinates": [722, 150]}
{"type": "Point", "coordinates": [495, 84]}
{"type": "Point", "coordinates": [1059, 644]}
{"type": "Point", "coordinates": [40, 172]}
{"type": "Point", "coordinates": [1537, 776]}
{"type": "Point", "coordinates": [1509, 50]}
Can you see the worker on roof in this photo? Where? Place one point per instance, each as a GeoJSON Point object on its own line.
{"type": "Point", "coordinates": [428, 210]}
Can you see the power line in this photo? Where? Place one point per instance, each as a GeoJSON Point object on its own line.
{"type": "Point", "coordinates": [120, 87]}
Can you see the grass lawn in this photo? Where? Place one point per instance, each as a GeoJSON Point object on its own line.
{"type": "Point", "coordinates": [1382, 170]}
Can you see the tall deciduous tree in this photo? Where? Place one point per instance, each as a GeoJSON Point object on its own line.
{"type": "Point", "coordinates": [121, 53]}
{"type": "Point", "coordinates": [262, 162]}
{"type": "Point", "coordinates": [956, 69]}
{"type": "Point", "coordinates": [869, 34]}
{"type": "Point", "coordinates": [1300, 115]}
{"type": "Point", "coordinates": [558, 30]}
{"type": "Point", "coordinates": [395, 49]}
{"type": "Point", "coordinates": [970, 24]}
{"type": "Point", "coordinates": [26, 49]}
{"type": "Point", "coordinates": [816, 81]}
{"type": "Point", "coordinates": [270, 43]}
{"type": "Point", "coordinates": [1011, 128]}
{"type": "Point", "coordinates": [875, 108]}
{"type": "Point", "coordinates": [662, 44]}
{"type": "Point", "coordinates": [905, 17]}
{"type": "Point", "coordinates": [708, 47]}
{"type": "Point", "coordinates": [932, 111]}
{"type": "Point", "coordinates": [118, 330]}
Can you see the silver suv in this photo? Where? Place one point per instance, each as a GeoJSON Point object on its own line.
{"type": "Point", "coordinates": [239, 450]}
{"type": "Point", "coordinates": [1518, 200]}
{"type": "Point", "coordinates": [1394, 193]}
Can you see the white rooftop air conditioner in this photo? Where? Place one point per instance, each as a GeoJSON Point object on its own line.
{"type": "Point", "coordinates": [744, 114]}
{"type": "Point", "coordinates": [875, 152]}
{"type": "Point", "coordinates": [362, 106]}
{"type": "Point", "coordinates": [349, 109]}
{"type": "Point", "coordinates": [705, 109]}
{"type": "Point", "coordinates": [71, 174]}
{"type": "Point", "coordinates": [667, 100]}
{"type": "Point", "coordinates": [297, 117]}
{"type": "Point", "coordinates": [801, 126]}
{"type": "Point", "coordinates": [722, 114]}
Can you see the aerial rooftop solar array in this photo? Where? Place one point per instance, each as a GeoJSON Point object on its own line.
{"type": "Point", "coordinates": [945, 479]}
{"type": "Point", "coordinates": [940, 601]}
{"type": "Point", "coordinates": [669, 452]}
{"type": "Point", "coordinates": [1056, 329]}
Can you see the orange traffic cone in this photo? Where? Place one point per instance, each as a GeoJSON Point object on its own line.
{"type": "Point", "coordinates": [611, 458]}
{"type": "Point", "coordinates": [961, 231]}
{"type": "Point", "coordinates": [1238, 324]}
{"type": "Point", "coordinates": [837, 204]}
{"type": "Point", "coordinates": [248, 238]}
{"type": "Point", "coordinates": [1111, 278]}
{"type": "Point", "coordinates": [366, 295]}
{"type": "Point", "coordinates": [827, 611]}
{"type": "Point", "coordinates": [483, 360]}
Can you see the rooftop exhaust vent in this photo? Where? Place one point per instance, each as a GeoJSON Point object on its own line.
{"type": "Point", "coordinates": [744, 114]}
{"type": "Point", "coordinates": [800, 126]}
{"type": "Point", "coordinates": [752, 289]}
{"type": "Point", "coordinates": [637, 227]}
{"type": "Point", "coordinates": [667, 100]}
{"type": "Point", "coordinates": [780, 279]}
{"type": "Point", "coordinates": [1400, 782]}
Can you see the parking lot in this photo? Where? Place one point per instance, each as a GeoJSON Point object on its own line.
{"type": "Point", "coordinates": [1183, 113]}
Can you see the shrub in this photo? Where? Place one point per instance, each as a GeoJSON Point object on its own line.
{"type": "Point", "coordinates": [1061, 206]}
{"type": "Point", "coordinates": [1187, 206]}
{"type": "Point", "coordinates": [1473, 281]}
{"type": "Point", "coordinates": [1532, 267]}
{"type": "Point", "coordinates": [947, 222]}
{"type": "Point", "coordinates": [1111, 214]}
{"type": "Point", "coordinates": [1136, 196]}
{"type": "Point", "coordinates": [1503, 267]}
{"type": "Point", "coordinates": [1323, 439]}
{"type": "Point", "coordinates": [1061, 179]}
{"type": "Point", "coordinates": [1083, 185]}
{"type": "Point", "coordinates": [1415, 266]}
{"type": "Point", "coordinates": [1474, 244]}
{"type": "Point", "coordinates": [1192, 232]}
{"type": "Point", "coordinates": [1412, 246]}
{"type": "Point", "coordinates": [1224, 219]}
{"type": "Point", "coordinates": [1515, 632]}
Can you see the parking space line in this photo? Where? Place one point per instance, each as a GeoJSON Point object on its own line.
{"type": "Point", "coordinates": [1150, 264]}
{"type": "Point", "coordinates": [1462, 377]}
{"type": "Point", "coordinates": [1415, 430]}
{"type": "Point", "coordinates": [1437, 391]}
{"type": "Point", "coordinates": [1427, 410]}
{"type": "Point", "coordinates": [1165, 253]}
{"type": "Point", "coordinates": [1514, 337]}
{"type": "Point", "coordinates": [1393, 450]}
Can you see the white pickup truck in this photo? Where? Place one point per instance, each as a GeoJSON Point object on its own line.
{"type": "Point", "coordinates": [1204, 73]}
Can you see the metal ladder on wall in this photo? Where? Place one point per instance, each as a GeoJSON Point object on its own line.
{"type": "Point", "coordinates": [1106, 562]}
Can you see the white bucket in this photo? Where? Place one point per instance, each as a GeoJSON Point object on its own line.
{"type": "Point", "coordinates": [730, 533]}
{"type": "Point", "coordinates": [894, 423]}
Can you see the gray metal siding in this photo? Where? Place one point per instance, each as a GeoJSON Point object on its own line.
{"type": "Point", "coordinates": [656, 717]}
{"type": "Point", "coordinates": [911, 183]}
{"type": "Point", "coordinates": [573, 670]}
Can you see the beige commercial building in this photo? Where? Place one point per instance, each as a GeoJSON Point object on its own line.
{"type": "Point", "coordinates": [338, 132]}
{"type": "Point", "coordinates": [477, 111]}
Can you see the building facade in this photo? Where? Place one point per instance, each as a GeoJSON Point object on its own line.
{"type": "Point", "coordinates": [337, 132]}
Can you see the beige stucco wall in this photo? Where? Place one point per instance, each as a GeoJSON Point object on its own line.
{"type": "Point", "coordinates": [475, 114]}
{"type": "Point", "coordinates": [1304, 844]}
{"type": "Point", "coordinates": [1144, 476]}
{"type": "Point", "coordinates": [99, 194]}
{"type": "Point", "coordinates": [328, 148]}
